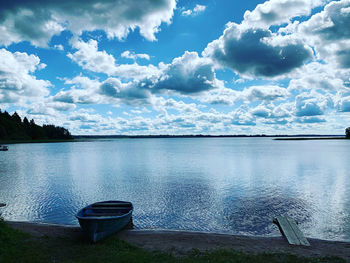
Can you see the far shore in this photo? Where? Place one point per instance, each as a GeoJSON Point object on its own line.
{"type": "Point", "coordinates": [310, 138]}
{"type": "Point", "coordinates": [88, 138]}
{"type": "Point", "coordinates": [183, 242]}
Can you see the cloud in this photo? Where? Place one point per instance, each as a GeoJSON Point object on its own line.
{"type": "Point", "coordinates": [271, 113]}
{"type": "Point", "coordinates": [133, 56]}
{"type": "Point", "coordinates": [37, 21]}
{"type": "Point", "coordinates": [89, 57]}
{"type": "Point", "coordinates": [310, 120]}
{"type": "Point", "coordinates": [17, 80]}
{"type": "Point", "coordinates": [195, 11]}
{"type": "Point", "coordinates": [188, 74]}
{"type": "Point", "coordinates": [58, 47]}
{"type": "Point", "coordinates": [82, 91]}
{"type": "Point", "coordinates": [344, 104]}
{"type": "Point", "coordinates": [250, 52]}
{"type": "Point", "coordinates": [342, 101]}
{"type": "Point", "coordinates": [277, 12]}
{"type": "Point", "coordinates": [318, 76]}
{"type": "Point", "coordinates": [221, 95]}
{"type": "Point", "coordinates": [228, 96]}
{"type": "Point", "coordinates": [329, 33]}
{"type": "Point", "coordinates": [265, 93]}
{"type": "Point", "coordinates": [261, 112]}
{"type": "Point", "coordinates": [49, 108]}
{"type": "Point", "coordinates": [242, 117]}
{"type": "Point", "coordinates": [126, 93]}
{"type": "Point", "coordinates": [162, 105]}
{"type": "Point", "coordinates": [311, 104]}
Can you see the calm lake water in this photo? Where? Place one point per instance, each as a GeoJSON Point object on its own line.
{"type": "Point", "coordinates": [226, 185]}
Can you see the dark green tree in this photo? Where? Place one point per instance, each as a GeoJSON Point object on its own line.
{"type": "Point", "coordinates": [12, 128]}
{"type": "Point", "coordinates": [16, 118]}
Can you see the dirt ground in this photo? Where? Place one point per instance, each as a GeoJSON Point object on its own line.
{"type": "Point", "coordinates": [181, 242]}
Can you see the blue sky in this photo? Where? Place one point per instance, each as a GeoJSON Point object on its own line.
{"type": "Point", "coordinates": [178, 67]}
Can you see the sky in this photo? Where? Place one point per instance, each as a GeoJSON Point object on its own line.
{"type": "Point", "coordinates": [178, 67]}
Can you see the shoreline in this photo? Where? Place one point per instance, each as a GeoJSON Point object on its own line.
{"type": "Point", "coordinates": [179, 242]}
{"type": "Point", "coordinates": [36, 141]}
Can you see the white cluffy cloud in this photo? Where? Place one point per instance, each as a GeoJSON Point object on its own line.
{"type": "Point", "coordinates": [195, 11]}
{"type": "Point", "coordinates": [329, 32]}
{"type": "Point", "coordinates": [277, 12]}
{"type": "Point", "coordinates": [188, 74]}
{"type": "Point", "coordinates": [264, 93]}
{"type": "Point", "coordinates": [17, 81]}
{"type": "Point", "coordinates": [37, 21]}
{"type": "Point", "coordinates": [89, 57]}
{"type": "Point", "coordinates": [133, 56]}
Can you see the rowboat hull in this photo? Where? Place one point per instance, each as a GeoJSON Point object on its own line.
{"type": "Point", "coordinates": [100, 225]}
{"type": "Point", "coordinates": [4, 148]}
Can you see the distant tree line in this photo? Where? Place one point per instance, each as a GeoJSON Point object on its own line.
{"type": "Point", "coordinates": [13, 128]}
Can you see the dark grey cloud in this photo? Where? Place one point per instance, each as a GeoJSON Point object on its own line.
{"type": "Point", "coordinates": [344, 57]}
{"type": "Point", "coordinates": [246, 51]}
{"type": "Point", "coordinates": [188, 74]}
{"type": "Point", "coordinates": [128, 93]}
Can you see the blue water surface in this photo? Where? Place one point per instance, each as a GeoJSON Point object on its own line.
{"type": "Point", "coordinates": [225, 185]}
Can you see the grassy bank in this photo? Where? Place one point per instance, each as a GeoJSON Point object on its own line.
{"type": "Point", "coordinates": [16, 246]}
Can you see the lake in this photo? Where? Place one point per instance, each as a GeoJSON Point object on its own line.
{"type": "Point", "coordinates": [224, 185]}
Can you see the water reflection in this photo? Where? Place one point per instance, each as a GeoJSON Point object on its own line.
{"type": "Point", "coordinates": [220, 185]}
{"type": "Point", "coordinates": [253, 214]}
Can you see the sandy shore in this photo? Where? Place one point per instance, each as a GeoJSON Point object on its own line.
{"type": "Point", "coordinates": [181, 242]}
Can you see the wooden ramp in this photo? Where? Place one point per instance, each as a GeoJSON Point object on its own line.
{"type": "Point", "coordinates": [291, 231]}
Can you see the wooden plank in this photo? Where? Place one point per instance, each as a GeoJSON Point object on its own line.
{"type": "Point", "coordinates": [303, 241]}
{"type": "Point", "coordinates": [287, 230]}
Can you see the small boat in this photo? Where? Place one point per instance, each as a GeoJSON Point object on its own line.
{"type": "Point", "coordinates": [4, 148]}
{"type": "Point", "coordinates": [102, 219]}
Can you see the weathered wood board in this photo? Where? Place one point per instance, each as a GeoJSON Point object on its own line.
{"type": "Point", "coordinates": [291, 231]}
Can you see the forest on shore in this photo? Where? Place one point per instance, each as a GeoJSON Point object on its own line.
{"type": "Point", "coordinates": [13, 128]}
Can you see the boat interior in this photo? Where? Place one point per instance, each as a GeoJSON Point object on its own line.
{"type": "Point", "coordinates": [103, 209]}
